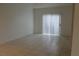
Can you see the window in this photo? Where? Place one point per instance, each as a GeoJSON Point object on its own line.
{"type": "Point", "coordinates": [51, 24]}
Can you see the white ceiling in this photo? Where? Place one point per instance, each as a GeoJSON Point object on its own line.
{"type": "Point", "coordinates": [49, 5]}
{"type": "Point", "coordinates": [34, 5]}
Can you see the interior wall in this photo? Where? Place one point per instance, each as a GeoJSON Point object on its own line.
{"type": "Point", "coordinates": [16, 21]}
{"type": "Point", "coordinates": [66, 18]}
{"type": "Point", "coordinates": [75, 41]}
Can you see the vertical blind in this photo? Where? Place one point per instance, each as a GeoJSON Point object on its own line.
{"type": "Point", "coordinates": [51, 24]}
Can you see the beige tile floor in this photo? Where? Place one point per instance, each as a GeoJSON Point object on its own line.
{"type": "Point", "coordinates": [37, 45]}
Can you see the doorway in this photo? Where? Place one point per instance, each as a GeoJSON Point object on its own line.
{"type": "Point", "coordinates": [51, 24]}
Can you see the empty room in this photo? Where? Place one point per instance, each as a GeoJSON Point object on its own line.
{"type": "Point", "coordinates": [36, 29]}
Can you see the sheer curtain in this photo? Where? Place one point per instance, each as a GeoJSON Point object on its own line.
{"type": "Point", "coordinates": [51, 24]}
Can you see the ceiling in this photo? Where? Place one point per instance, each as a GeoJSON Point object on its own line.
{"type": "Point", "coordinates": [34, 5]}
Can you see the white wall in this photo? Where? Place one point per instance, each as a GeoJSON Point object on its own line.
{"type": "Point", "coordinates": [66, 18]}
{"type": "Point", "coordinates": [16, 21]}
{"type": "Point", "coordinates": [75, 42]}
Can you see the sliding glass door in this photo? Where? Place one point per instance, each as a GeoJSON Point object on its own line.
{"type": "Point", "coordinates": [51, 24]}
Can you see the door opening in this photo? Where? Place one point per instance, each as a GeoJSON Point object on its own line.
{"type": "Point", "coordinates": [51, 24]}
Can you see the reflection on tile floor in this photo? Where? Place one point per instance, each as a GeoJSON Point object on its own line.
{"type": "Point", "coordinates": [38, 45]}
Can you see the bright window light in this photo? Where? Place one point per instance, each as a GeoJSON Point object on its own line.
{"type": "Point", "coordinates": [51, 24]}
